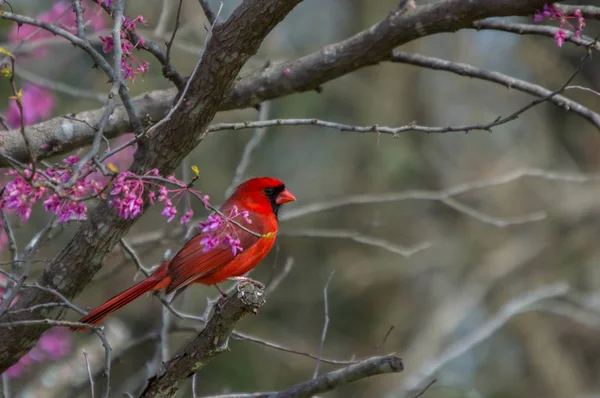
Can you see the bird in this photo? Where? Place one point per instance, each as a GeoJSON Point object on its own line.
{"type": "Point", "coordinates": [253, 207]}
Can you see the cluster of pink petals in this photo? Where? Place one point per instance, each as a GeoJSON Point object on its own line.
{"type": "Point", "coordinates": [130, 65]}
{"type": "Point", "coordinates": [38, 104]}
{"type": "Point", "coordinates": [552, 12]}
{"type": "Point", "coordinates": [20, 195]}
{"type": "Point", "coordinates": [129, 191]}
{"type": "Point", "coordinates": [213, 232]}
{"type": "Point", "coordinates": [24, 191]}
{"type": "Point", "coordinates": [61, 14]}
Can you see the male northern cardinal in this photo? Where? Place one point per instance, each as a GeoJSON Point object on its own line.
{"type": "Point", "coordinates": [258, 199]}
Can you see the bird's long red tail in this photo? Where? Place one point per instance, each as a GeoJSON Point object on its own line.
{"type": "Point", "coordinates": [94, 317]}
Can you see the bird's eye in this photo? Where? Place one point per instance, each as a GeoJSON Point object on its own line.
{"type": "Point", "coordinates": [269, 191]}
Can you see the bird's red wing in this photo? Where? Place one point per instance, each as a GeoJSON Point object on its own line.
{"type": "Point", "coordinates": [192, 263]}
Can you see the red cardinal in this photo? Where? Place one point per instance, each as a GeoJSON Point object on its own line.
{"type": "Point", "coordinates": [258, 200]}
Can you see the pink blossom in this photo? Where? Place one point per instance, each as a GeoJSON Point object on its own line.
{"type": "Point", "coordinates": [234, 243]}
{"type": "Point", "coordinates": [246, 216]}
{"type": "Point", "coordinates": [107, 43]}
{"type": "Point", "coordinates": [552, 12]}
{"type": "Point", "coordinates": [19, 195]}
{"type": "Point", "coordinates": [560, 37]}
{"type": "Point", "coordinates": [65, 198]}
{"type": "Point", "coordinates": [38, 104]}
{"type": "Point", "coordinates": [213, 222]}
{"type": "Point", "coordinates": [186, 217]}
{"type": "Point", "coordinates": [130, 65]}
{"type": "Point", "coordinates": [169, 211]}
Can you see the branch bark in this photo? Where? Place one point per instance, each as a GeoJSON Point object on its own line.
{"type": "Point", "coordinates": [211, 341]}
{"type": "Point", "coordinates": [329, 381]}
{"type": "Point", "coordinates": [231, 45]}
{"type": "Point", "coordinates": [307, 73]}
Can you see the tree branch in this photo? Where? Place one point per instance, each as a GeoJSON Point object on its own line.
{"type": "Point", "coordinates": [231, 45]}
{"type": "Point", "coordinates": [211, 341]}
{"type": "Point", "coordinates": [329, 381]}
{"type": "Point", "coordinates": [307, 73]}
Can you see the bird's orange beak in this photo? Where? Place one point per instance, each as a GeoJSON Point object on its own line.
{"type": "Point", "coordinates": [285, 197]}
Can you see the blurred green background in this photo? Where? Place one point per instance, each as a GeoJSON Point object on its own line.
{"type": "Point", "coordinates": [434, 297]}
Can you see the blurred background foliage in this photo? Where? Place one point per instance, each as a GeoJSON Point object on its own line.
{"type": "Point", "coordinates": [432, 298]}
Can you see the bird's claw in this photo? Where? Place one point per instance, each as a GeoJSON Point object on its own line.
{"type": "Point", "coordinates": [248, 280]}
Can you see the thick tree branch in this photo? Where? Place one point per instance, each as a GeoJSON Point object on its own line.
{"type": "Point", "coordinates": [329, 381]}
{"type": "Point", "coordinates": [307, 73]}
{"type": "Point", "coordinates": [497, 77]}
{"type": "Point", "coordinates": [535, 29]}
{"type": "Point", "coordinates": [211, 341]}
{"type": "Point", "coordinates": [231, 45]}
{"type": "Point", "coordinates": [591, 12]}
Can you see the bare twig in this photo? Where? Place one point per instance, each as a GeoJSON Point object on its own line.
{"type": "Point", "coordinates": [510, 82]}
{"type": "Point", "coordinates": [210, 16]}
{"type": "Point", "coordinates": [170, 43]}
{"type": "Point", "coordinates": [252, 144]}
{"type": "Point", "coordinates": [242, 336]}
{"type": "Point", "coordinates": [539, 30]}
{"type": "Point", "coordinates": [427, 387]}
{"type": "Point", "coordinates": [357, 237]}
{"type": "Point", "coordinates": [451, 192]}
{"type": "Point", "coordinates": [12, 287]}
{"type": "Point", "coordinates": [76, 4]}
{"type": "Point", "coordinates": [591, 12]}
{"type": "Point", "coordinates": [18, 98]}
{"type": "Point", "coordinates": [327, 382]}
{"type": "Point", "coordinates": [134, 257]}
{"type": "Point", "coordinates": [589, 90]}
{"type": "Point", "coordinates": [87, 365]}
{"type": "Point", "coordinates": [65, 301]}
{"type": "Point", "coordinates": [325, 324]}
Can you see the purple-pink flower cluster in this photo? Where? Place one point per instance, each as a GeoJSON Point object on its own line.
{"type": "Point", "coordinates": [38, 104]}
{"type": "Point", "coordinates": [25, 190]}
{"type": "Point", "coordinates": [128, 193]}
{"type": "Point", "coordinates": [552, 12]}
{"type": "Point", "coordinates": [213, 231]}
{"type": "Point", "coordinates": [130, 65]}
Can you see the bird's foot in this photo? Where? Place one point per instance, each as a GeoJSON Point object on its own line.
{"type": "Point", "coordinates": [223, 294]}
{"type": "Point", "coordinates": [246, 279]}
